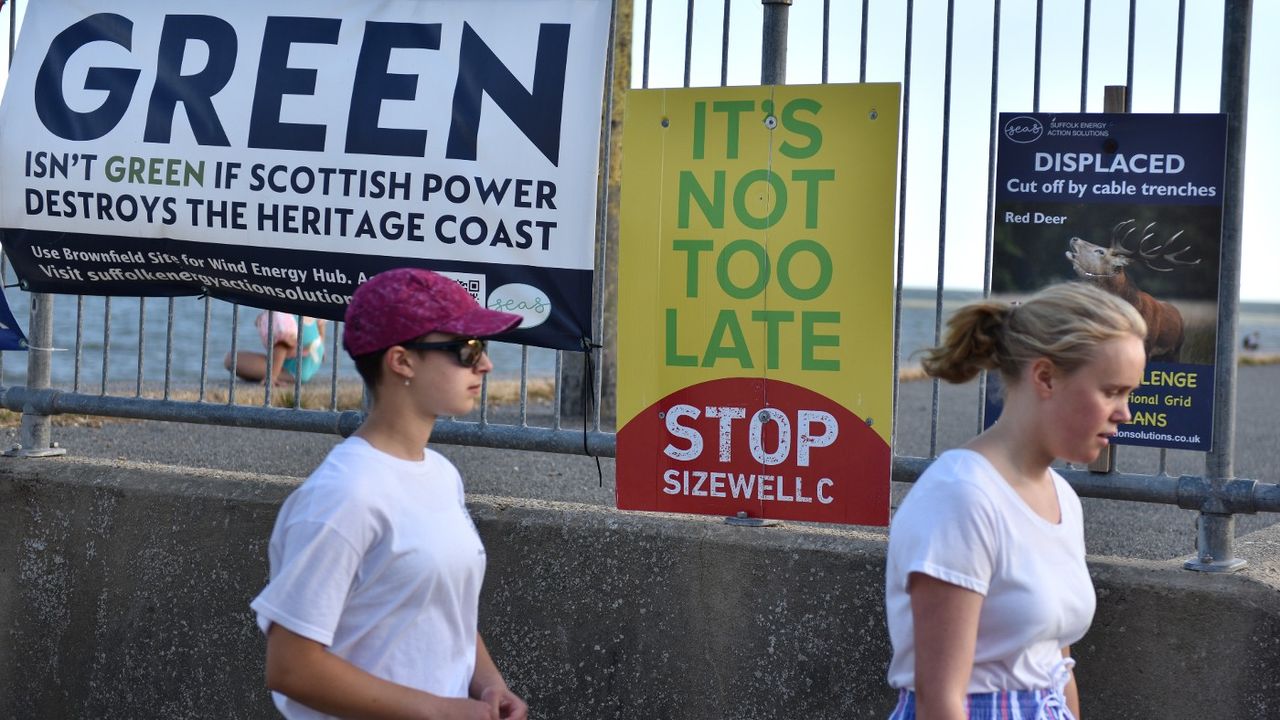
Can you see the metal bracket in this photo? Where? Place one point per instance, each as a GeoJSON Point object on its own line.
{"type": "Point", "coordinates": [52, 451]}
{"type": "Point", "coordinates": [744, 520]}
{"type": "Point", "coordinates": [1209, 565]}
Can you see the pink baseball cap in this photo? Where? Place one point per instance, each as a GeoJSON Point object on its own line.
{"type": "Point", "coordinates": [399, 305]}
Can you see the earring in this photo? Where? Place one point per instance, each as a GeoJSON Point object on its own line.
{"type": "Point", "coordinates": [406, 383]}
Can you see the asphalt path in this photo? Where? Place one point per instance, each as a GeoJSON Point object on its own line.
{"type": "Point", "coordinates": [1126, 529]}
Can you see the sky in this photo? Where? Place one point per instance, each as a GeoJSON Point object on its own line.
{"type": "Point", "coordinates": [965, 221]}
{"type": "Point", "coordinates": [1062, 38]}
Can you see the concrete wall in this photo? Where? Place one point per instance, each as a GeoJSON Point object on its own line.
{"type": "Point", "coordinates": [124, 592]}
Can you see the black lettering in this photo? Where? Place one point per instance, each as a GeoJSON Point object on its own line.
{"type": "Point", "coordinates": [373, 84]}
{"type": "Point", "coordinates": [194, 91]}
{"type": "Point", "coordinates": [276, 79]}
{"type": "Point", "coordinates": [537, 113]}
{"type": "Point", "coordinates": [51, 104]}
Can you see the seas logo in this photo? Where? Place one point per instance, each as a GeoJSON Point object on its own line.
{"type": "Point", "coordinates": [527, 301]}
{"type": "Point", "coordinates": [1023, 129]}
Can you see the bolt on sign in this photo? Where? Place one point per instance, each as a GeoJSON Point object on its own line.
{"type": "Point", "coordinates": [756, 301]}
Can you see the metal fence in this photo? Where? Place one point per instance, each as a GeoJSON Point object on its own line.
{"type": "Point", "coordinates": [686, 43]}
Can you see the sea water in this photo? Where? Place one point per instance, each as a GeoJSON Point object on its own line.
{"type": "Point", "coordinates": [145, 328]}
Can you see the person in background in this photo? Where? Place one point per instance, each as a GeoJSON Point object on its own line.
{"type": "Point", "coordinates": [375, 565]}
{"type": "Point", "coordinates": [284, 361]}
{"type": "Point", "coordinates": [986, 586]}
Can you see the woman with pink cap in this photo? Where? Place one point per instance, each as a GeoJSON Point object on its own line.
{"type": "Point", "coordinates": [376, 568]}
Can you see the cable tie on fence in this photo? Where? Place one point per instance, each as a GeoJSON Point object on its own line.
{"type": "Point", "coordinates": [588, 398]}
{"type": "Point", "coordinates": [47, 349]}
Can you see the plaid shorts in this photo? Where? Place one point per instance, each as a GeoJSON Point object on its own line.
{"type": "Point", "coordinates": [1006, 705]}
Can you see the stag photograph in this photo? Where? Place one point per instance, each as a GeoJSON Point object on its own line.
{"type": "Point", "coordinates": [1163, 260]}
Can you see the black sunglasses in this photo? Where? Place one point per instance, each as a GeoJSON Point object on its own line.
{"type": "Point", "coordinates": [468, 351]}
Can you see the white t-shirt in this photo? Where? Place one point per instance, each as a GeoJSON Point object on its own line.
{"type": "Point", "coordinates": [964, 524]}
{"type": "Point", "coordinates": [377, 558]}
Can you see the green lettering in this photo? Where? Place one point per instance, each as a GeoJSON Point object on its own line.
{"type": "Point", "coordinates": [779, 199]}
{"type": "Point", "coordinates": [802, 128]}
{"type": "Point", "coordinates": [699, 130]}
{"type": "Point", "coordinates": [712, 210]}
{"type": "Point", "coordinates": [732, 109]}
{"type": "Point", "coordinates": [693, 247]}
{"type": "Point", "coordinates": [755, 287]}
{"type": "Point", "coordinates": [675, 359]}
{"type": "Point", "coordinates": [811, 178]}
{"type": "Point", "coordinates": [771, 319]}
{"type": "Point", "coordinates": [727, 323]}
{"type": "Point", "coordinates": [824, 269]}
{"type": "Point", "coordinates": [810, 340]}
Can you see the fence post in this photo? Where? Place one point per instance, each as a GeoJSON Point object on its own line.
{"type": "Point", "coordinates": [33, 432]}
{"type": "Point", "coordinates": [773, 60]}
{"type": "Point", "coordinates": [1115, 99]}
{"type": "Point", "coordinates": [1215, 536]}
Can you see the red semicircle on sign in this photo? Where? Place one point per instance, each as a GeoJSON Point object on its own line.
{"type": "Point", "coordinates": [769, 448]}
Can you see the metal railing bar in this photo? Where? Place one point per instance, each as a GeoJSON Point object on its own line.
{"type": "Point", "coordinates": [942, 216]}
{"type": "Point", "coordinates": [204, 346]}
{"type": "Point", "coordinates": [1084, 56]}
{"type": "Point", "coordinates": [688, 41]}
{"type": "Point", "coordinates": [724, 48]}
{"type": "Point", "coordinates": [989, 235]}
{"type": "Point", "coordinates": [648, 31]}
{"type": "Point", "coordinates": [862, 52]}
{"type": "Point", "coordinates": [235, 354]}
{"type": "Point", "coordinates": [1128, 76]}
{"type": "Point", "coordinates": [559, 386]}
{"type": "Point", "coordinates": [106, 341]}
{"type": "Point", "coordinates": [13, 28]}
{"type": "Point", "coordinates": [602, 218]}
{"type": "Point", "coordinates": [524, 385]}
{"type": "Point", "coordinates": [333, 365]}
{"type": "Point", "coordinates": [1187, 491]}
{"type": "Point", "coordinates": [79, 353]}
{"type": "Point", "coordinates": [297, 365]}
{"type": "Point", "coordinates": [142, 341]}
{"type": "Point", "coordinates": [826, 38]}
{"type": "Point", "coordinates": [1039, 56]}
{"type": "Point", "coordinates": [1177, 58]}
{"type": "Point", "coordinates": [168, 352]}
{"type": "Point", "coordinates": [902, 213]}
{"type": "Point", "coordinates": [268, 382]}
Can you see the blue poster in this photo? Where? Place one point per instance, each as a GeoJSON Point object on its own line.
{"type": "Point", "coordinates": [11, 336]}
{"type": "Point", "coordinates": [1133, 204]}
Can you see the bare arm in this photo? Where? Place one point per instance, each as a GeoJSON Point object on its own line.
{"type": "Point", "coordinates": [307, 672]}
{"type": "Point", "coordinates": [487, 685]}
{"type": "Point", "coordinates": [945, 617]}
{"type": "Point", "coordinates": [1071, 692]}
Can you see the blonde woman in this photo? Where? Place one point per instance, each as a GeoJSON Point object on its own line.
{"type": "Point", "coordinates": [986, 584]}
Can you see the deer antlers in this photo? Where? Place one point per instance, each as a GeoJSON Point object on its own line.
{"type": "Point", "coordinates": [1155, 255]}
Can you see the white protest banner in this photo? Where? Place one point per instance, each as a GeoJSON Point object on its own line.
{"type": "Point", "coordinates": [278, 154]}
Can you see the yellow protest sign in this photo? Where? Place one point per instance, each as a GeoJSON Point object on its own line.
{"type": "Point", "coordinates": [755, 301]}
